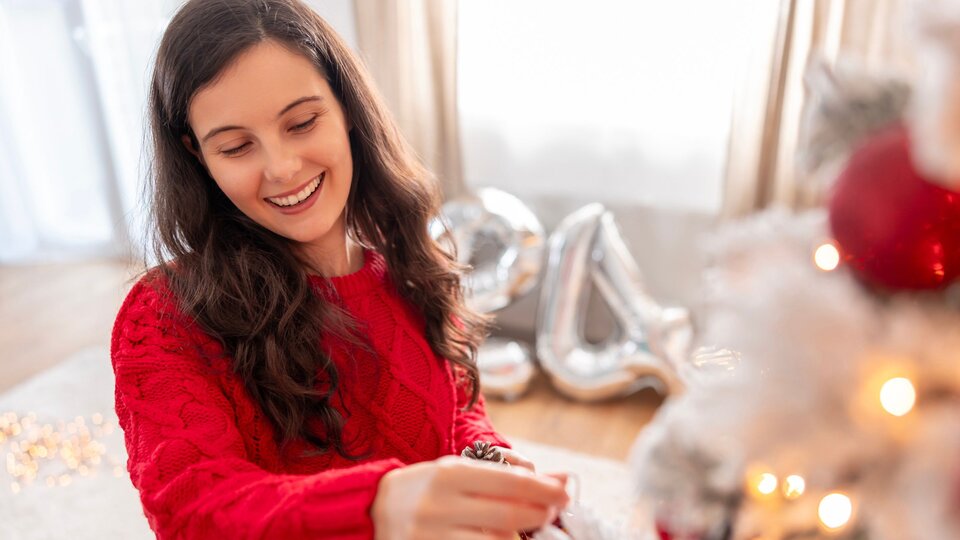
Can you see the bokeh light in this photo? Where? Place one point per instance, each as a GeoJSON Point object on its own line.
{"type": "Point", "coordinates": [897, 396]}
{"type": "Point", "coordinates": [794, 486]}
{"type": "Point", "coordinates": [835, 510]}
{"type": "Point", "coordinates": [827, 257]}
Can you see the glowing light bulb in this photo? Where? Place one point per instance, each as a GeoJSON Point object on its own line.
{"type": "Point", "coordinates": [898, 396]}
{"type": "Point", "coordinates": [767, 484]}
{"type": "Point", "coordinates": [835, 510]}
{"type": "Point", "coordinates": [827, 257]}
{"type": "Point", "coordinates": [794, 486]}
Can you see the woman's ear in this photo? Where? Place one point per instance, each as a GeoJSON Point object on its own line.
{"type": "Point", "coordinates": [188, 142]}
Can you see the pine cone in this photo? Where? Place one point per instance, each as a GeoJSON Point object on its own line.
{"type": "Point", "coordinates": [484, 451]}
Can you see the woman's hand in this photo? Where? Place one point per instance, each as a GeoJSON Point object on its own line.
{"type": "Point", "coordinates": [515, 458]}
{"type": "Point", "coordinates": [454, 498]}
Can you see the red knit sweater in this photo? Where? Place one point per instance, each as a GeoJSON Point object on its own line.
{"type": "Point", "coordinates": [202, 453]}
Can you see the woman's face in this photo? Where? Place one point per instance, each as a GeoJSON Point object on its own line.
{"type": "Point", "coordinates": [274, 138]}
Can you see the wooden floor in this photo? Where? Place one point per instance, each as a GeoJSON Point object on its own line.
{"type": "Point", "coordinates": [48, 312]}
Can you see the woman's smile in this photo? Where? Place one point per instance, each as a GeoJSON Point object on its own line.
{"type": "Point", "coordinates": [300, 199]}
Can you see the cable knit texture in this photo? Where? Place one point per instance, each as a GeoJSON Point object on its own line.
{"type": "Point", "coordinates": [202, 453]}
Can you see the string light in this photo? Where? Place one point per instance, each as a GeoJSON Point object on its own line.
{"type": "Point", "coordinates": [767, 484]}
{"type": "Point", "coordinates": [897, 396]}
{"type": "Point", "coordinates": [761, 482]}
{"type": "Point", "coordinates": [794, 486]}
{"type": "Point", "coordinates": [32, 448]}
{"type": "Point", "coordinates": [826, 257]}
{"type": "Point", "coordinates": [835, 510]}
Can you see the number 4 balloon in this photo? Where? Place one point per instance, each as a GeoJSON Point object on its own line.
{"type": "Point", "coordinates": [504, 242]}
{"type": "Point", "coordinates": [650, 341]}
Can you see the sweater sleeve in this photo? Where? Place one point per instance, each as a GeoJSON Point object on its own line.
{"type": "Point", "coordinates": [473, 424]}
{"type": "Point", "coordinates": [187, 457]}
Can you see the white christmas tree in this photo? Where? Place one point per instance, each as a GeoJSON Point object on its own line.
{"type": "Point", "coordinates": [832, 410]}
{"type": "Point", "coordinates": [838, 416]}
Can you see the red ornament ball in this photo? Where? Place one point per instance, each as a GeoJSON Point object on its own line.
{"type": "Point", "coordinates": [664, 532]}
{"type": "Point", "coordinates": [894, 228]}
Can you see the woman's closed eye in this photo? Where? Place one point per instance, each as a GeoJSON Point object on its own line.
{"type": "Point", "coordinates": [299, 128]}
{"type": "Point", "coordinates": [305, 125]}
{"type": "Point", "coordinates": [235, 150]}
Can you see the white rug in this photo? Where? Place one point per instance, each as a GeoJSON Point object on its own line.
{"type": "Point", "coordinates": [103, 505]}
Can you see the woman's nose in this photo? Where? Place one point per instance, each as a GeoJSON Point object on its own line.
{"type": "Point", "coordinates": [282, 163]}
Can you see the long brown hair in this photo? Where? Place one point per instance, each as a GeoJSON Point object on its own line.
{"type": "Point", "coordinates": [242, 283]}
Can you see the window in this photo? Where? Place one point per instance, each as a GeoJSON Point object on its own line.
{"type": "Point", "coordinates": [74, 76]}
{"type": "Point", "coordinates": [608, 101]}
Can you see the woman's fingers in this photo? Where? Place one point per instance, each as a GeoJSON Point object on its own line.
{"type": "Point", "coordinates": [561, 477]}
{"type": "Point", "coordinates": [507, 483]}
{"type": "Point", "coordinates": [516, 459]}
{"type": "Point", "coordinates": [478, 534]}
{"type": "Point", "coordinates": [491, 513]}
{"type": "Point", "coordinates": [452, 495]}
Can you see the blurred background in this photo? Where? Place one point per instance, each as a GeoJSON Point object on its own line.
{"type": "Point", "coordinates": [675, 115]}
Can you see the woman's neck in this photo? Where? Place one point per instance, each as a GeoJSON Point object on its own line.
{"type": "Point", "coordinates": [341, 261]}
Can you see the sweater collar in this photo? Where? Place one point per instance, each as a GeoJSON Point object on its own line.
{"type": "Point", "coordinates": [370, 276]}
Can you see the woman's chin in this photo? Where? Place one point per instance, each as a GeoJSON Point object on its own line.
{"type": "Point", "coordinates": [299, 238]}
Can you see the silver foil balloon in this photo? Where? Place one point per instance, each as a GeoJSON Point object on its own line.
{"type": "Point", "coordinates": [504, 243]}
{"type": "Point", "coordinates": [500, 238]}
{"type": "Point", "coordinates": [506, 367]}
{"type": "Point", "coordinates": [649, 343]}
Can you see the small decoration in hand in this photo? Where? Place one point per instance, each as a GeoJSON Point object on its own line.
{"type": "Point", "coordinates": [484, 451]}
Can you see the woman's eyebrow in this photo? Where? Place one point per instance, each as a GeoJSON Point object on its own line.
{"type": "Point", "coordinates": [293, 104]}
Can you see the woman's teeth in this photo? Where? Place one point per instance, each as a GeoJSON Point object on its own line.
{"type": "Point", "coordinates": [299, 197]}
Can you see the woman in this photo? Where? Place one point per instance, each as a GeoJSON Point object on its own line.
{"type": "Point", "coordinates": [301, 363]}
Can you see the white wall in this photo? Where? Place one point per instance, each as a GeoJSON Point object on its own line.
{"type": "Point", "coordinates": [340, 15]}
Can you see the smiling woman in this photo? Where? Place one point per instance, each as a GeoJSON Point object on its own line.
{"type": "Point", "coordinates": [276, 142]}
{"type": "Point", "coordinates": [301, 363]}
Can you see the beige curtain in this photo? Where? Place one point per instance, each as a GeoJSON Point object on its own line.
{"type": "Point", "coordinates": [410, 48]}
{"type": "Point", "coordinates": [761, 167]}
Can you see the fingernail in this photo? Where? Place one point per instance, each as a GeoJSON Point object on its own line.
{"type": "Point", "coordinates": [559, 477]}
